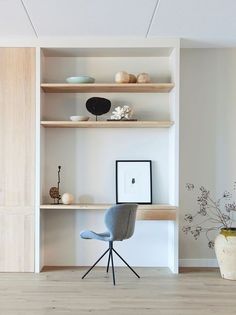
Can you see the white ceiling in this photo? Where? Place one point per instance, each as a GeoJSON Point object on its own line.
{"type": "Point", "coordinates": [90, 17]}
{"type": "Point", "coordinates": [200, 23]}
{"type": "Point", "coordinates": [13, 20]}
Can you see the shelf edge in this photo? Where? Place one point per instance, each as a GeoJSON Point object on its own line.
{"type": "Point", "coordinates": [107, 124]}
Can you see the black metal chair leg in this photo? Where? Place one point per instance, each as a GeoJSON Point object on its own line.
{"type": "Point", "coordinates": [109, 257]}
{"type": "Point", "coordinates": [113, 269]}
{"type": "Point", "coordinates": [125, 263]}
{"type": "Point", "coordinates": [95, 263]}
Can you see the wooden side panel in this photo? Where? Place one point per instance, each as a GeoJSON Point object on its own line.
{"type": "Point", "coordinates": [17, 158]}
{"type": "Point", "coordinates": [17, 241]}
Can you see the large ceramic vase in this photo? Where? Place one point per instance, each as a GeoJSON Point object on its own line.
{"type": "Point", "coordinates": [225, 248]}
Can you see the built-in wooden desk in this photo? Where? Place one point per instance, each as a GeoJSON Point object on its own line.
{"type": "Point", "coordinates": [145, 212]}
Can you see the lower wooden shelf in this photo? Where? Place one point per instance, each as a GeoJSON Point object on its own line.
{"type": "Point", "coordinates": [145, 212]}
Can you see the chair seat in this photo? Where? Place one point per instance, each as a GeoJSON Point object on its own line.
{"type": "Point", "coordinates": [105, 236]}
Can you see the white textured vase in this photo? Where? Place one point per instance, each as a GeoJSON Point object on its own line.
{"type": "Point", "coordinates": [225, 248]}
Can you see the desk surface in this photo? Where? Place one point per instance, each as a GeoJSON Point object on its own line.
{"type": "Point", "coordinates": [145, 212]}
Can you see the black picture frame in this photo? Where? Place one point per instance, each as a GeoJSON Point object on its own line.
{"type": "Point", "coordinates": [143, 198]}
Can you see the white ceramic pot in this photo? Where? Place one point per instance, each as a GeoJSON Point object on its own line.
{"type": "Point", "coordinates": [225, 248]}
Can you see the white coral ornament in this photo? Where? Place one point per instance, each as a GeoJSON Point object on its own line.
{"type": "Point", "coordinates": [122, 113]}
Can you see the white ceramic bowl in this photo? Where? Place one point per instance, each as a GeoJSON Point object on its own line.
{"type": "Point", "coordinates": [79, 118]}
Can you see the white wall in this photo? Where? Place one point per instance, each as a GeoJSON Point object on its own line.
{"type": "Point", "coordinates": [207, 134]}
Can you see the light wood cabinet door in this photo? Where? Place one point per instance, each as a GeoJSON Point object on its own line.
{"type": "Point", "coordinates": [17, 158]}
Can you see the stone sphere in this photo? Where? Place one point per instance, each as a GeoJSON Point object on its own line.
{"type": "Point", "coordinates": [122, 77]}
{"type": "Point", "coordinates": [143, 78]}
{"type": "Point", "coordinates": [67, 199]}
{"type": "Point", "coordinates": [132, 78]}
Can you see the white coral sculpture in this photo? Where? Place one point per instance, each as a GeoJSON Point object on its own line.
{"type": "Point", "coordinates": [122, 113]}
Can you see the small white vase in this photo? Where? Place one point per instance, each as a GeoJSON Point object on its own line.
{"type": "Point", "coordinates": [225, 248]}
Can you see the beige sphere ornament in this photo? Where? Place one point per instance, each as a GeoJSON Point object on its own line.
{"type": "Point", "coordinates": [67, 199]}
{"type": "Point", "coordinates": [143, 78]}
{"type": "Point", "coordinates": [132, 78]}
{"type": "Point", "coordinates": [122, 77]}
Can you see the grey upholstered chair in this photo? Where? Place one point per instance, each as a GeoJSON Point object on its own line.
{"type": "Point", "coordinates": [120, 223]}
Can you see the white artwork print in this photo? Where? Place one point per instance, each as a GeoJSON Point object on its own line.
{"type": "Point", "coordinates": [134, 182]}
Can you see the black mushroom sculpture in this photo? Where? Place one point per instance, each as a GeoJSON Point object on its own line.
{"type": "Point", "coordinates": [98, 106]}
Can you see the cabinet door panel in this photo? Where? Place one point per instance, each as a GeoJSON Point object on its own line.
{"type": "Point", "coordinates": [17, 157]}
{"type": "Point", "coordinates": [17, 240]}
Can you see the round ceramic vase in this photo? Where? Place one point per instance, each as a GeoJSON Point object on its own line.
{"type": "Point", "coordinates": [225, 248]}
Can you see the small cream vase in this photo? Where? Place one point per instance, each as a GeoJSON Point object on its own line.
{"type": "Point", "coordinates": [225, 248]}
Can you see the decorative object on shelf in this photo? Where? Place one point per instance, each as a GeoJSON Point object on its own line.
{"type": "Point", "coordinates": [54, 192]}
{"type": "Point", "coordinates": [98, 106]}
{"type": "Point", "coordinates": [215, 216]}
{"type": "Point", "coordinates": [125, 77]}
{"type": "Point", "coordinates": [122, 77]}
{"type": "Point", "coordinates": [134, 181]}
{"type": "Point", "coordinates": [143, 78]}
{"type": "Point", "coordinates": [80, 79]}
{"type": "Point", "coordinates": [122, 113]}
{"type": "Point", "coordinates": [79, 118]}
{"type": "Point", "coordinates": [132, 78]}
{"type": "Point", "coordinates": [67, 199]}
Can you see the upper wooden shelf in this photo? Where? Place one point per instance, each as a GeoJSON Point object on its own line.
{"type": "Point", "coordinates": [145, 212]}
{"type": "Point", "coordinates": [107, 124]}
{"type": "Point", "coordinates": [107, 87]}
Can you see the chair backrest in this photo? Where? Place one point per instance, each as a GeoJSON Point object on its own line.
{"type": "Point", "coordinates": [120, 221]}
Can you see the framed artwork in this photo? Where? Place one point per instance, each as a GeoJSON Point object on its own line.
{"type": "Point", "coordinates": [134, 181]}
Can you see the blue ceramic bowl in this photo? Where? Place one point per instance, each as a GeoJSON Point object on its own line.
{"type": "Point", "coordinates": [80, 79]}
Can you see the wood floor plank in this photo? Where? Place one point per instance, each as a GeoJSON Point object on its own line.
{"type": "Point", "coordinates": [158, 292]}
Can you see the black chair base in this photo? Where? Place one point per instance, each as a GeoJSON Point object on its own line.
{"type": "Point", "coordinates": [110, 258]}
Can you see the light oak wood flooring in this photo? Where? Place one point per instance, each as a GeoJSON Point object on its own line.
{"type": "Point", "coordinates": [62, 291]}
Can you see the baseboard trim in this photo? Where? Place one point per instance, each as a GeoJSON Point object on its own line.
{"type": "Point", "coordinates": [198, 263]}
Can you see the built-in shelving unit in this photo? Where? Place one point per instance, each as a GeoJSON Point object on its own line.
{"type": "Point", "coordinates": [88, 155]}
{"type": "Point", "coordinates": [107, 88]}
{"type": "Point", "coordinates": [145, 212]}
{"type": "Point", "coordinates": [107, 124]}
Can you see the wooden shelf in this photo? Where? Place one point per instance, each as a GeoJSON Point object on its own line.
{"type": "Point", "coordinates": [107, 124]}
{"type": "Point", "coordinates": [107, 87]}
{"type": "Point", "coordinates": [145, 212]}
